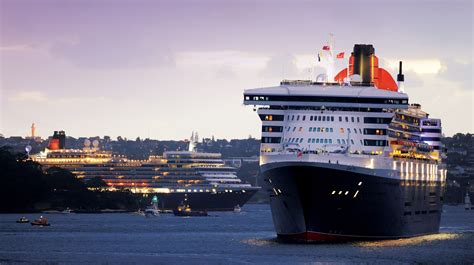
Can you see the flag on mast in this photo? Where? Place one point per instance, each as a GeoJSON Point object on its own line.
{"type": "Point", "coordinates": [340, 55]}
{"type": "Point", "coordinates": [326, 48]}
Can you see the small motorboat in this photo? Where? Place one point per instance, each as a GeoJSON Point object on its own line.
{"type": "Point", "coordinates": [140, 212]}
{"type": "Point", "coordinates": [22, 220]}
{"type": "Point", "coordinates": [185, 210]}
{"type": "Point", "coordinates": [66, 211]}
{"type": "Point", "coordinates": [237, 209]}
{"type": "Point", "coordinates": [42, 221]}
{"type": "Point", "coordinates": [151, 212]}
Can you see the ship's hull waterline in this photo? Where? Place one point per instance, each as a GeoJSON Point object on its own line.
{"type": "Point", "coordinates": [315, 202]}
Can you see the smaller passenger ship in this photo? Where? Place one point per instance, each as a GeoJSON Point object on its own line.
{"type": "Point", "coordinates": [202, 178]}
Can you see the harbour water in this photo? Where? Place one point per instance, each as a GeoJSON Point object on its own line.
{"type": "Point", "coordinates": [222, 238]}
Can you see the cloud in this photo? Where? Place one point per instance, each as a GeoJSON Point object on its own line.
{"type": "Point", "coordinates": [22, 48]}
{"type": "Point", "coordinates": [412, 79]}
{"type": "Point", "coordinates": [282, 66]}
{"type": "Point", "coordinates": [15, 48]}
{"type": "Point", "coordinates": [230, 58]}
{"type": "Point", "coordinates": [104, 53]}
{"type": "Point", "coordinates": [423, 66]}
{"type": "Point", "coordinates": [225, 72]}
{"type": "Point", "coordinates": [28, 96]}
{"type": "Point", "coordinates": [457, 72]}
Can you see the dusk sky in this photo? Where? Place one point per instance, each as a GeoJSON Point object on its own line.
{"type": "Point", "coordinates": [162, 69]}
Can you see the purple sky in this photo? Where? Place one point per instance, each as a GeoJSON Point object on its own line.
{"type": "Point", "coordinates": [162, 69]}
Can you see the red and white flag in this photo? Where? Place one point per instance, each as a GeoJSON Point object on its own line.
{"type": "Point", "coordinates": [340, 55]}
{"type": "Point", "coordinates": [326, 48]}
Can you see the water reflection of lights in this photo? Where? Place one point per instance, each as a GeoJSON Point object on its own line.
{"type": "Point", "coordinates": [408, 241]}
{"type": "Point", "coordinates": [259, 241]}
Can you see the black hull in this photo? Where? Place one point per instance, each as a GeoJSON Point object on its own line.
{"type": "Point", "coordinates": [314, 202]}
{"type": "Point", "coordinates": [205, 201]}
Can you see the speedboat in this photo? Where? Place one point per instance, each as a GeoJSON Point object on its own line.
{"type": "Point", "coordinates": [152, 212]}
{"type": "Point", "coordinates": [42, 221]}
{"type": "Point", "coordinates": [22, 220]}
{"type": "Point", "coordinates": [185, 210]}
{"type": "Point", "coordinates": [140, 212]}
{"type": "Point", "coordinates": [66, 211]}
{"type": "Point", "coordinates": [237, 209]}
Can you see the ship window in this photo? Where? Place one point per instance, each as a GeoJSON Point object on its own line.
{"type": "Point", "coordinates": [312, 140]}
{"type": "Point", "coordinates": [352, 119]}
{"type": "Point", "coordinates": [292, 117]}
{"type": "Point", "coordinates": [317, 140]}
{"type": "Point", "coordinates": [294, 128]}
{"type": "Point", "coordinates": [341, 130]}
{"type": "Point", "coordinates": [352, 141]}
{"type": "Point", "coordinates": [358, 119]}
{"type": "Point", "coordinates": [310, 118]}
{"type": "Point", "coordinates": [309, 140]}
{"type": "Point", "coordinates": [347, 119]}
{"type": "Point", "coordinates": [304, 117]}
{"type": "Point", "coordinates": [360, 131]}
{"type": "Point", "coordinates": [355, 131]}
{"type": "Point", "coordinates": [271, 140]}
{"type": "Point", "coordinates": [330, 141]}
{"type": "Point", "coordinates": [377, 120]}
{"type": "Point", "coordinates": [301, 140]}
{"type": "Point", "coordinates": [340, 118]}
{"type": "Point", "coordinates": [300, 129]}
{"type": "Point", "coordinates": [332, 118]}
{"type": "Point", "coordinates": [325, 141]}
{"type": "Point", "coordinates": [319, 118]}
{"type": "Point", "coordinates": [349, 130]}
{"type": "Point", "coordinates": [271, 117]}
{"type": "Point", "coordinates": [343, 141]}
{"type": "Point", "coordinates": [298, 117]}
{"type": "Point", "coordinates": [310, 129]}
{"type": "Point", "coordinates": [324, 118]}
{"type": "Point", "coordinates": [338, 141]}
{"type": "Point", "coordinates": [368, 142]}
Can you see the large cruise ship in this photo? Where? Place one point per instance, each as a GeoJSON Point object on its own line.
{"type": "Point", "coordinates": [351, 158]}
{"type": "Point", "coordinates": [202, 180]}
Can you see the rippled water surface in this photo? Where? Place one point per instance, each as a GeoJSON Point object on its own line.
{"type": "Point", "coordinates": [222, 238]}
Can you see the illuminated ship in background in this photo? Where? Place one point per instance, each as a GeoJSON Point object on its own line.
{"type": "Point", "coordinates": [202, 180]}
{"type": "Point", "coordinates": [349, 159]}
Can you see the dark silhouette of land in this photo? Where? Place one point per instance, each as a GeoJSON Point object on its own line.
{"type": "Point", "coordinates": [26, 187]}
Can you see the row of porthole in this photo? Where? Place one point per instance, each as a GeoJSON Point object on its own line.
{"type": "Point", "coordinates": [341, 192]}
{"type": "Point", "coordinates": [344, 193]}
